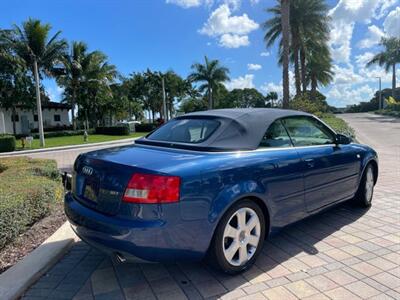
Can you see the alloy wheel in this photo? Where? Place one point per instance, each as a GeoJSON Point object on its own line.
{"type": "Point", "coordinates": [241, 236]}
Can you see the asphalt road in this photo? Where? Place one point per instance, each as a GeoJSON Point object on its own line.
{"type": "Point", "coordinates": [383, 134]}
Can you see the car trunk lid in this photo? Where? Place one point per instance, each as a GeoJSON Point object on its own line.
{"type": "Point", "coordinates": [100, 177]}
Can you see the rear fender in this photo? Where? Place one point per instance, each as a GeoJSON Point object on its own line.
{"type": "Point", "coordinates": [231, 194]}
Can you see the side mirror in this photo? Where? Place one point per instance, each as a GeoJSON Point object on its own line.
{"type": "Point", "coordinates": [342, 139]}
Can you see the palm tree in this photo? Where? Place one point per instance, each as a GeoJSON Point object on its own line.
{"type": "Point", "coordinates": [285, 17]}
{"type": "Point", "coordinates": [74, 65]}
{"type": "Point", "coordinates": [41, 54]}
{"type": "Point", "coordinates": [271, 97]}
{"type": "Point", "coordinates": [319, 66]}
{"type": "Point", "coordinates": [308, 22]}
{"type": "Point", "coordinates": [95, 91]}
{"type": "Point", "coordinates": [388, 58]}
{"type": "Point", "coordinates": [212, 74]}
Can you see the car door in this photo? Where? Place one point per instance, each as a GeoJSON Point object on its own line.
{"type": "Point", "coordinates": [284, 183]}
{"type": "Point", "coordinates": [330, 170]}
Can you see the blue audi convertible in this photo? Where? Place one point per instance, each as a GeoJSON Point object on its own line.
{"type": "Point", "coordinates": [214, 185]}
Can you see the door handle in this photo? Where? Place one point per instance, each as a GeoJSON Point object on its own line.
{"type": "Point", "coordinates": [309, 162]}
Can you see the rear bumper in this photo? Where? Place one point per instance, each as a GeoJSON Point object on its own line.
{"type": "Point", "coordinates": [136, 240]}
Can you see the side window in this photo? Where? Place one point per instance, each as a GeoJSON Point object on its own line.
{"type": "Point", "coordinates": [276, 137]}
{"type": "Point", "coordinates": [306, 131]}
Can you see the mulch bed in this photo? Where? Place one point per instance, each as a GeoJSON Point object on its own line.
{"type": "Point", "coordinates": [32, 238]}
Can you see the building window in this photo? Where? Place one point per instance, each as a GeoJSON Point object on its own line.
{"type": "Point", "coordinates": [57, 118]}
{"type": "Point", "coordinates": [35, 118]}
{"type": "Point", "coordinates": [14, 118]}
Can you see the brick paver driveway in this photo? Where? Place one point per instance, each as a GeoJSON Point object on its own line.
{"type": "Point", "coordinates": [345, 253]}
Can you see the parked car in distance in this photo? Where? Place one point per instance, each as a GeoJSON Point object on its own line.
{"type": "Point", "coordinates": [214, 185]}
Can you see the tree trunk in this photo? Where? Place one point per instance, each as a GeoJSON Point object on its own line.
{"type": "Point", "coordinates": [394, 82]}
{"type": "Point", "coordinates": [38, 104]}
{"type": "Point", "coordinates": [285, 52]}
{"type": "Point", "coordinates": [2, 122]}
{"type": "Point", "coordinates": [13, 115]}
{"type": "Point", "coordinates": [73, 101]}
{"type": "Point", "coordinates": [313, 87]}
{"type": "Point", "coordinates": [296, 66]}
{"type": "Point", "coordinates": [210, 100]}
{"type": "Point", "coordinates": [303, 69]}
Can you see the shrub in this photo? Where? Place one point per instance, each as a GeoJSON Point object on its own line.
{"type": "Point", "coordinates": [147, 127]}
{"type": "Point", "coordinates": [337, 124]}
{"type": "Point", "coordinates": [114, 130]}
{"type": "Point", "coordinates": [57, 133]}
{"type": "Point", "coordinates": [303, 103]}
{"type": "Point", "coordinates": [7, 143]}
{"type": "Point", "coordinates": [29, 189]}
{"type": "Point", "coordinates": [51, 129]}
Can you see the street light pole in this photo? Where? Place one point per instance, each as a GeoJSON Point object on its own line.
{"type": "Point", "coordinates": [380, 93]}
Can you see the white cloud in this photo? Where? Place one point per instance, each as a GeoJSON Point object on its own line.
{"type": "Point", "coordinates": [346, 75]}
{"type": "Point", "coordinates": [232, 30]}
{"type": "Point", "coordinates": [346, 95]}
{"type": "Point", "coordinates": [228, 40]}
{"type": "Point", "coordinates": [344, 16]}
{"type": "Point", "coordinates": [241, 82]}
{"type": "Point", "coordinates": [392, 23]}
{"type": "Point", "coordinates": [265, 53]}
{"type": "Point", "coordinates": [274, 87]}
{"type": "Point", "coordinates": [55, 93]}
{"type": "Point", "coordinates": [363, 59]}
{"type": "Point", "coordinates": [254, 67]}
{"type": "Point", "coordinates": [186, 3]}
{"type": "Point", "coordinates": [221, 22]}
{"type": "Point", "coordinates": [373, 38]}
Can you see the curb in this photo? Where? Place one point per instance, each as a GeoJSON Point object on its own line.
{"type": "Point", "coordinates": [18, 278]}
{"type": "Point", "coordinates": [72, 147]}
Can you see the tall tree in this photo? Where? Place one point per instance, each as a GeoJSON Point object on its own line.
{"type": "Point", "coordinates": [211, 74]}
{"type": "Point", "coordinates": [309, 22]}
{"type": "Point", "coordinates": [285, 17]}
{"type": "Point", "coordinates": [74, 65]}
{"type": "Point", "coordinates": [319, 67]}
{"type": "Point", "coordinates": [16, 84]}
{"type": "Point", "coordinates": [42, 53]}
{"type": "Point", "coordinates": [388, 58]}
{"type": "Point", "coordinates": [271, 97]}
{"type": "Point", "coordinates": [95, 92]}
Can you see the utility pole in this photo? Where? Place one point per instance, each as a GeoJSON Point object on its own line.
{"type": "Point", "coordinates": [164, 100]}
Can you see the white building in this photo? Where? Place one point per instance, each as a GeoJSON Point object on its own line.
{"type": "Point", "coordinates": [55, 115]}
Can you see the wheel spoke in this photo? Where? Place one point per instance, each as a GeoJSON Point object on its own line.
{"type": "Point", "coordinates": [230, 231]}
{"type": "Point", "coordinates": [242, 254]}
{"type": "Point", "coordinates": [253, 240]}
{"type": "Point", "coordinates": [241, 217]}
{"type": "Point", "coordinates": [231, 251]}
{"type": "Point", "coordinates": [252, 223]}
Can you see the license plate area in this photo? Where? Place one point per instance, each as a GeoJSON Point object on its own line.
{"type": "Point", "coordinates": [91, 190]}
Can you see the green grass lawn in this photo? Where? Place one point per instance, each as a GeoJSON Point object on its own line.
{"type": "Point", "coordinates": [78, 140]}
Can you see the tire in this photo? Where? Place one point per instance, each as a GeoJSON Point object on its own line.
{"type": "Point", "coordinates": [366, 188]}
{"type": "Point", "coordinates": [239, 238]}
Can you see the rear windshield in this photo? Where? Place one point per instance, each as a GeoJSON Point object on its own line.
{"type": "Point", "coordinates": [190, 131]}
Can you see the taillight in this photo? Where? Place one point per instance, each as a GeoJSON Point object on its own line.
{"type": "Point", "coordinates": [148, 188]}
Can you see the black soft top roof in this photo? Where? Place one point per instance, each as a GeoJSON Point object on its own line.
{"type": "Point", "coordinates": [240, 129]}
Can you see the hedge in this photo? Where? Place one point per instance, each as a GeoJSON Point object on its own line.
{"type": "Point", "coordinates": [57, 133]}
{"type": "Point", "coordinates": [7, 143]}
{"type": "Point", "coordinates": [114, 130]}
{"type": "Point", "coordinates": [147, 127]}
{"type": "Point", "coordinates": [29, 189]}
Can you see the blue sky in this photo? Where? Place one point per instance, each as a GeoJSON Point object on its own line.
{"type": "Point", "coordinates": [173, 34]}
